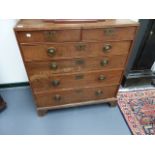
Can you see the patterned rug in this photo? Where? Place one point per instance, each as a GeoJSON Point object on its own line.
{"type": "Point", "coordinates": [138, 108]}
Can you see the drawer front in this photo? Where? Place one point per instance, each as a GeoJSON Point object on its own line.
{"type": "Point", "coordinates": [126, 33]}
{"type": "Point", "coordinates": [73, 50]}
{"type": "Point", "coordinates": [49, 36]}
{"type": "Point", "coordinates": [42, 82]}
{"type": "Point", "coordinates": [75, 96]}
{"type": "Point", "coordinates": [77, 65]}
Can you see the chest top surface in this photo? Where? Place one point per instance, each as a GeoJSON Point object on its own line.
{"type": "Point", "coordinates": [38, 24]}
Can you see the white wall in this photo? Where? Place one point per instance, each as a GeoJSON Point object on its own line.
{"type": "Point", "coordinates": [11, 65]}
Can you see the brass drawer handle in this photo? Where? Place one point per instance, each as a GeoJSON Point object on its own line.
{"type": "Point", "coordinates": [107, 48]}
{"type": "Point", "coordinates": [109, 31]}
{"type": "Point", "coordinates": [104, 62]}
{"type": "Point", "coordinates": [56, 82]}
{"type": "Point", "coordinates": [98, 92]}
{"type": "Point", "coordinates": [57, 97]}
{"type": "Point", "coordinates": [102, 78]}
{"type": "Point", "coordinates": [51, 51]}
{"type": "Point", "coordinates": [80, 47]}
{"type": "Point", "coordinates": [53, 66]}
{"type": "Point", "coordinates": [50, 35]}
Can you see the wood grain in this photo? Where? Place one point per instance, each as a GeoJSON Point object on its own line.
{"type": "Point", "coordinates": [126, 33]}
{"type": "Point", "coordinates": [83, 103]}
{"type": "Point", "coordinates": [39, 52]}
{"type": "Point", "coordinates": [38, 24]}
{"type": "Point", "coordinates": [76, 65]}
{"type": "Point", "coordinates": [42, 81]}
{"type": "Point", "coordinates": [49, 36]}
{"type": "Point", "coordinates": [74, 96]}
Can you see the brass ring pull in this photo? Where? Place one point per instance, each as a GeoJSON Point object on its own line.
{"type": "Point", "coordinates": [98, 92]}
{"type": "Point", "coordinates": [107, 48]}
{"type": "Point", "coordinates": [57, 97]}
{"type": "Point", "coordinates": [104, 62]}
{"type": "Point", "coordinates": [55, 82]}
{"type": "Point", "coordinates": [51, 51]}
{"type": "Point", "coordinates": [53, 66]}
{"type": "Point", "coordinates": [102, 78]}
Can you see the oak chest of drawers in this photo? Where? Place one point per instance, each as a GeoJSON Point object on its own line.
{"type": "Point", "coordinates": [74, 63]}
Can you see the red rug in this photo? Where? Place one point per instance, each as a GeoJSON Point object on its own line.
{"type": "Point", "coordinates": [138, 108]}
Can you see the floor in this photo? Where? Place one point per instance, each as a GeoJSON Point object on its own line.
{"type": "Point", "coordinates": [20, 118]}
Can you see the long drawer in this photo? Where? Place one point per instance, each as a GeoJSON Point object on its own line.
{"type": "Point", "coordinates": [76, 65]}
{"type": "Point", "coordinates": [44, 81]}
{"type": "Point", "coordinates": [53, 51]}
{"type": "Point", "coordinates": [58, 98]}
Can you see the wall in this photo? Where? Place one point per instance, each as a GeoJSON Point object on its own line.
{"type": "Point", "coordinates": [11, 65]}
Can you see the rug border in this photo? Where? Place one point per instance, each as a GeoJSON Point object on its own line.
{"type": "Point", "coordinates": [125, 120]}
{"type": "Point", "coordinates": [139, 130]}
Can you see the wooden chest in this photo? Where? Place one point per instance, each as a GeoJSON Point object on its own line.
{"type": "Point", "coordinates": [72, 63]}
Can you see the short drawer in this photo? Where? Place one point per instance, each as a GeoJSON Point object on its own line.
{"type": "Point", "coordinates": [75, 96]}
{"type": "Point", "coordinates": [49, 36]}
{"type": "Point", "coordinates": [73, 50]}
{"type": "Point", "coordinates": [77, 65]}
{"type": "Point", "coordinates": [109, 34]}
{"type": "Point", "coordinates": [42, 82]}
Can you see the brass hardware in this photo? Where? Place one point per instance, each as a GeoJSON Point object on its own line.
{"type": "Point", "coordinates": [99, 92]}
{"type": "Point", "coordinates": [79, 61]}
{"type": "Point", "coordinates": [109, 31]}
{"type": "Point", "coordinates": [104, 62]}
{"type": "Point", "coordinates": [80, 47]}
{"type": "Point", "coordinates": [57, 97]}
{"type": "Point", "coordinates": [55, 82]}
{"type": "Point", "coordinates": [53, 66]}
{"type": "Point", "coordinates": [50, 35]}
{"type": "Point", "coordinates": [79, 77]}
{"type": "Point", "coordinates": [107, 48]}
{"type": "Point", "coordinates": [51, 51]}
{"type": "Point", "coordinates": [102, 77]}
